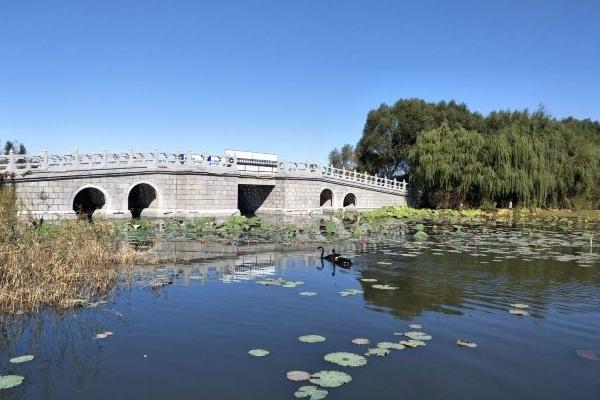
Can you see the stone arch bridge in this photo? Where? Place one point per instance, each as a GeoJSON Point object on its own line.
{"type": "Point", "coordinates": [186, 185]}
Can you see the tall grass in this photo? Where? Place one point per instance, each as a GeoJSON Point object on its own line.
{"type": "Point", "coordinates": [56, 265]}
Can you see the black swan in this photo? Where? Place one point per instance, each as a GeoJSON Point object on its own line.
{"type": "Point", "coordinates": [329, 257]}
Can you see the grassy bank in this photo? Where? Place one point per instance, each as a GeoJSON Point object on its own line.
{"type": "Point", "coordinates": [60, 265]}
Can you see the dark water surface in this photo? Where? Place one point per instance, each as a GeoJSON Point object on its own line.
{"type": "Point", "coordinates": [190, 340]}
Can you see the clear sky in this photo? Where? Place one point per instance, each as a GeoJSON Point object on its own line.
{"type": "Point", "coordinates": [291, 77]}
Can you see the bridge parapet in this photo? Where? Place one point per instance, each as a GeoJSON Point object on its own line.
{"type": "Point", "coordinates": [24, 164]}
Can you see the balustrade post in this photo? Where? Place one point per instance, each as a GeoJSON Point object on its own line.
{"type": "Point", "coordinates": [11, 161]}
{"type": "Point", "coordinates": [188, 157]}
{"type": "Point", "coordinates": [403, 184]}
{"type": "Point", "coordinates": [76, 158]}
{"type": "Point", "coordinates": [105, 158]}
{"type": "Point", "coordinates": [45, 159]}
{"type": "Point", "coordinates": [395, 183]}
{"type": "Point", "coordinates": [155, 157]}
{"type": "Point", "coordinates": [130, 161]}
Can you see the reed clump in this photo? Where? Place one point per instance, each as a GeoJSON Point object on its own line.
{"type": "Point", "coordinates": [58, 265]}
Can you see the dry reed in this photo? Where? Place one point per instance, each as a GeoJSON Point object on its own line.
{"type": "Point", "coordinates": [59, 265]}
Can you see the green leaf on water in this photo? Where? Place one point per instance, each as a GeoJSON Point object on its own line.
{"type": "Point", "coordinates": [346, 359]}
{"type": "Point", "coordinates": [21, 359]}
{"type": "Point", "coordinates": [377, 351]}
{"type": "Point", "coordinates": [390, 345]}
{"type": "Point", "coordinates": [312, 339]}
{"type": "Point", "coordinates": [308, 294]}
{"type": "Point", "coordinates": [521, 313]}
{"type": "Point", "coordinates": [298, 376]}
{"type": "Point", "coordinates": [9, 381]}
{"type": "Point", "coordinates": [466, 343]}
{"type": "Point", "coordinates": [259, 352]}
{"type": "Point", "coordinates": [330, 378]}
{"type": "Point", "coordinates": [384, 287]}
{"type": "Point", "coordinates": [312, 392]}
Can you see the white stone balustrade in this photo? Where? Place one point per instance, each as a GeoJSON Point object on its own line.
{"type": "Point", "coordinates": [26, 164]}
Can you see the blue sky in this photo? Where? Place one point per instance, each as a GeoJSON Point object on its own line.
{"type": "Point", "coordinates": [291, 77]}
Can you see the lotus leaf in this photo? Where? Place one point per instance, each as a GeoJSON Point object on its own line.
{"type": "Point", "coordinates": [311, 339]}
{"type": "Point", "coordinates": [384, 263]}
{"type": "Point", "coordinates": [466, 343]}
{"type": "Point", "coordinates": [346, 359]}
{"type": "Point", "coordinates": [9, 381]}
{"type": "Point", "coordinates": [308, 293]}
{"type": "Point", "coordinates": [384, 287]}
{"type": "Point", "coordinates": [415, 326]}
{"type": "Point", "coordinates": [330, 379]}
{"type": "Point", "coordinates": [521, 313]}
{"type": "Point", "coordinates": [21, 359]}
{"type": "Point", "coordinates": [369, 280]}
{"type": "Point", "coordinates": [377, 351]}
{"type": "Point", "coordinates": [313, 392]}
{"type": "Point", "coordinates": [390, 345]}
{"type": "Point", "coordinates": [298, 376]}
{"type": "Point", "coordinates": [593, 355]}
{"type": "Point", "coordinates": [519, 305]}
{"type": "Point", "coordinates": [259, 352]}
{"type": "Point", "coordinates": [360, 341]}
{"type": "Point", "coordinates": [417, 335]}
{"type": "Point", "coordinates": [412, 343]}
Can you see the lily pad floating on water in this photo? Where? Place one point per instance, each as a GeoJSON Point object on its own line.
{"type": "Point", "coordinates": [312, 392]}
{"type": "Point", "coordinates": [9, 381]}
{"type": "Point", "coordinates": [390, 345]}
{"type": "Point", "coordinates": [521, 313]}
{"type": "Point", "coordinates": [330, 379]}
{"type": "Point", "coordinates": [593, 355]}
{"type": "Point", "coordinates": [384, 287]}
{"type": "Point", "coordinates": [377, 351]}
{"type": "Point", "coordinates": [369, 280]}
{"type": "Point", "coordinates": [103, 335]}
{"type": "Point", "coordinates": [350, 292]}
{"type": "Point", "coordinates": [415, 326]}
{"type": "Point", "coordinates": [259, 352]}
{"type": "Point", "coordinates": [384, 263]}
{"type": "Point", "coordinates": [308, 294]}
{"type": "Point", "coordinates": [346, 359]}
{"type": "Point", "coordinates": [417, 335]}
{"type": "Point", "coordinates": [519, 305]}
{"type": "Point", "coordinates": [360, 341]}
{"type": "Point", "coordinates": [466, 343]}
{"type": "Point", "coordinates": [412, 343]}
{"type": "Point", "coordinates": [21, 359]}
{"type": "Point", "coordinates": [312, 339]}
{"type": "Point", "coordinates": [298, 376]}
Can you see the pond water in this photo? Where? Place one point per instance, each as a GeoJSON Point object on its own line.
{"type": "Point", "coordinates": [191, 339]}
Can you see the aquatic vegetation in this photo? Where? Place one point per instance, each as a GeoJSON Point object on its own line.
{"type": "Point", "coordinates": [417, 335]}
{"type": "Point", "coordinates": [345, 359]}
{"type": "Point", "coordinates": [259, 352]}
{"type": "Point", "coordinates": [9, 381]}
{"type": "Point", "coordinates": [412, 343]}
{"type": "Point", "coordinates": [369, 280]}
{"type": "Point", "coordinates": [308, 294]}
{"type": "Point", "coordinates": [312, 392]}
{"type": "Point", "coordinates": [519, 312]}
{"type": "Point", "coordinates": [377, 351]}
{"type": "Point", "coordinates": [420, 235]}
{"type": "Point", "coordinates": [390, 345]}
{"type": "Point", "coordinates": [361, 341]}
{"type": "Point", "coordinates": [21, 359]}
{"type": "Point", "coordinates": [415, 326]}
{"type": "Point", "coordinates": [312, 339]}
{"type": "Point", "coordinates": [466, 343]}
{"type": "Point", "coordinates": [350, 292]}
{"type": "Point", "coordinates": [593, 355]}
{"type": "Point", "coordinates": [330, 379]}
{"type": "Point", "coordinates": [103, 335]}
{"type": "Point", "coordinates": [384, 263]}
{"type": "Point", "coordinates": [384, 287]}
{"type": "Point", "coordinates": [519, 305]}
{"type": "Point", "coordinates": [298, 376]}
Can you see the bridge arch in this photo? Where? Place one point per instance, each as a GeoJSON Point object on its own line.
{"type": "Point", "coordinates": [349, 200]}
{"type": "Point", "coordinates": [140, 196]}
{"type": "Point", "coordinates": [89, 198]}
{"type": "Point", "coordinates": [326, 198]}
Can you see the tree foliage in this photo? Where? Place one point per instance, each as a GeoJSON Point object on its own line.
{"type": "Point", "coordinates": [343, 158]}
{"type": "Point", "coordinates": [454, 156]}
